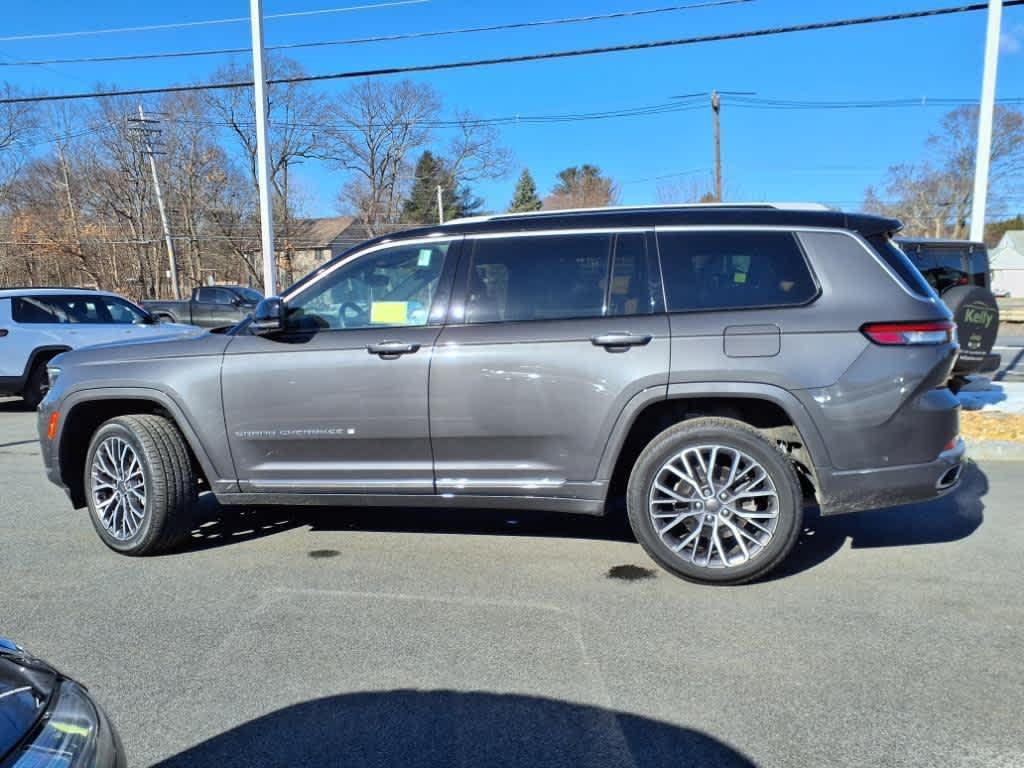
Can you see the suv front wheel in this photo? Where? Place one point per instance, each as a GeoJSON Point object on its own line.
{"type": "Point", "coordinates": [140, 484]}
{"type": "Point", "coordinates": [713, 501]}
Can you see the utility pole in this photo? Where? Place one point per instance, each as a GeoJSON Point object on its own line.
{"type": "Point", "coordinates": [716, 110]}
{"type": "Point", "coordinates": [146, 133]}
{"type": "Point", "coordinates": [440, 204]}
{"type": "Point", "coordinates": [259, 79]}
{"type": "Point", "coordinates": [985, 114]}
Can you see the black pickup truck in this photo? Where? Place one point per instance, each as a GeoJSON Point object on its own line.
{"type": "Point", "coordinates": [211, 306]}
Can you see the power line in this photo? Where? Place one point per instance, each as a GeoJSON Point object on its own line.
{"type": "Point", "coordinates": [206, 22]}
{"type": "Point", "coordinates": [547, 56]}
{"type": "Point", "coordinates": [750, 102]}
{"type": "Point", "coordinates": [381, 38]}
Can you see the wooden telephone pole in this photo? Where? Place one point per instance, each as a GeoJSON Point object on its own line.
{"type": "Point", "coordinates": [716, 110]}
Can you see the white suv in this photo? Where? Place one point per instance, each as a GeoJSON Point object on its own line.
{"type": "Point", "coordinates": [37, 324]}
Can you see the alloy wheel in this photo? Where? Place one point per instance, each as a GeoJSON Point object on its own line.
{"type": "Point", "coordinates": [714, 506]}
{"type": "Point", "coordinates": [118, 488]}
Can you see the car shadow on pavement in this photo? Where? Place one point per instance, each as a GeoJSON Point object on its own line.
{"type": "Point", "coordinates": [218, 526]}
{"type": "Point", "coordinates": [448, 728]}
{"type": "Point", "coordinates": [950, 518]}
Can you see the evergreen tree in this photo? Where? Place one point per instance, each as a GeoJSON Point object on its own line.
{"type": "Point", "coordinates": [421, 205]}
{"type": "Point", "coordinates": [525, 197]}
{"type": "Point", "coordinates": [457, 198]}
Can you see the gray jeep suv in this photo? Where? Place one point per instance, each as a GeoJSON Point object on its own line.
{"type": "Point", "coordinates": [720, 366]}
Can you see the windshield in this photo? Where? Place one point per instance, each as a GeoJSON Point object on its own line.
{"type": "Point", "coordinates": [249, 296]}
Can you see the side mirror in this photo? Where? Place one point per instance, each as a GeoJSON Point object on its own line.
{"type": "Point", "coordinates": [268, 316]}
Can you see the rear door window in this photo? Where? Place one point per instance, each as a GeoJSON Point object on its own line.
{"type": "Point", "coordinates": [629, 287]}
{"type": "Point", "coordinates": [61, 309]}
{"type": "Point", "coordinates": [544, 277]}
{"type": "Point", "coordinates": [705, 270]}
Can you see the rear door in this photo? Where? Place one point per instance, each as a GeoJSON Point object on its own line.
{"type": "Point", "coordinates": [549, 336]}
{"type": "Point", "coordinates": [741, 306]}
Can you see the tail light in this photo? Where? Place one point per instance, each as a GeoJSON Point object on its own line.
{"type": "Point", "coordinates": [910, 334]}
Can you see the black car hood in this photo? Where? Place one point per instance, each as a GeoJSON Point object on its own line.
{"type": "Point", "coordinates": [26, 685]}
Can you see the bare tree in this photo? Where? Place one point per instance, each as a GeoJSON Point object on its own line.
{"type": "Point", "coordinates": [377, 127]}
{"type": "Point", "coordinates": [296, 112]}
{"type": "Point", "coordinates": [688, 190]}
{"type": "Point", "coordinates": [475, 152]}
{"type": "Point", "coordinates": [934, 198]}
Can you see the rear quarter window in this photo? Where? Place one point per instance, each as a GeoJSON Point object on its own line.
{"type": "Point", "coordinates": [899, 263]}
{"type": "Point", "coordinates": [705, 271]}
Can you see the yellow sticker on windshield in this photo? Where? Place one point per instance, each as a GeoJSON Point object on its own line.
{"type": "Point", "coordinates": [739, 277]}
{"type": "Point", "coordinates": [389, 312]}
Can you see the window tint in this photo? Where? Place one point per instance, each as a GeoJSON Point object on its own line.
{"type": "Point", "coordinates": [249, 295]}
{"type": "Point", "coordinates": [121, 311]}
{"type": "Point", "coordinates": [733, 270]}
{"type": "Point", "coordinates": [215, 296]}
{"type": "Point", "coordinates": [391, 287]}
{"type": "Point", "coordinates": [629, 291]}
{"type": "Point", "coordinates": [540, 278]}
{"type": "Point", "coordinates": [943, 268]}
{"type": "Point", "coordinates": [977, 263]}
{"type": "Point", "coordinates": [900, 264]}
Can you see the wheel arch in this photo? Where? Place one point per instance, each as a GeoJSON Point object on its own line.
{"type": "Point", "coordinates": [763, 406]}
{"type": "Point", "coordinates": [83, 415]}
{"type": "Point", "coordinates": [43, 355]}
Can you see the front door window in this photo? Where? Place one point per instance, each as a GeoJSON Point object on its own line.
{"type": "Point", "coordinates": [392, 287]}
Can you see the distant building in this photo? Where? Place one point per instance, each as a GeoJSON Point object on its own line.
{"type": "Point", "coordinates": [1007, 264]}
{"type": "Point", "coordinates": [314, 241]}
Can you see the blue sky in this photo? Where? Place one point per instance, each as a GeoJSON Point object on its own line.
{"type": "Point", "coordinates": [821, 155]}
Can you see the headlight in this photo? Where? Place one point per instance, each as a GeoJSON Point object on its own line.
{"type": "Point", "coordinates": [53, 373]}
{"type": "Point", "coordinates": [73, 735]}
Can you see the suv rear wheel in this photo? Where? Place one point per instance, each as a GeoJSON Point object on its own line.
{"type": "Point", "coordinates": [713, 501]}
{"type": "Point", "coordinates": [140, 484]}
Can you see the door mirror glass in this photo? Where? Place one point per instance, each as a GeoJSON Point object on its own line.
{"type": "Point", "coordinates": [269, 316]}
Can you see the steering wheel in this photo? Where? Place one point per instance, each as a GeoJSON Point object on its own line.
{"type": "Point", "coordinates": [360, 313]}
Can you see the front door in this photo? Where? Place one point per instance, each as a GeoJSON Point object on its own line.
{"type": "Point", "coordinates": [556, 335]}
{"type": "Point", "coordinates": [338, 402]}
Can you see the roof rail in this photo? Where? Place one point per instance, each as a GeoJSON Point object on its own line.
{"type": "Point", "coordinates": [626, 208]}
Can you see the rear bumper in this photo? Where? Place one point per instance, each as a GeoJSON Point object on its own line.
{"type": "Point", "coordinates": [840, 492]}
{"type": "Point", "coordinates": [991, 363]}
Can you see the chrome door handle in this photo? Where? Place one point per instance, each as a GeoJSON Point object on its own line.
{"type": "Point", "coordinates": [392, 350]}
{"type": "Point", "coordinates": [620, 341]}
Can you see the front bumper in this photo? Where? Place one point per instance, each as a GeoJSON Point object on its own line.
{"type": "Point", "coordinates": [49, 448]}
{"type": "Point", "coordinates": [840, 492]}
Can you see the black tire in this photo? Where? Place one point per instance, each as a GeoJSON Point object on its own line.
{"type": "Point", "coordinates": [35, 386]}
{"type": "Point", "coordinates": [170, 483]}
{"type": "Point", "coordinates": [733, 435]}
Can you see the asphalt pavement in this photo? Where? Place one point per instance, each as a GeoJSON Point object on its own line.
{"type": "Point", "coordinates": [414, 638]}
